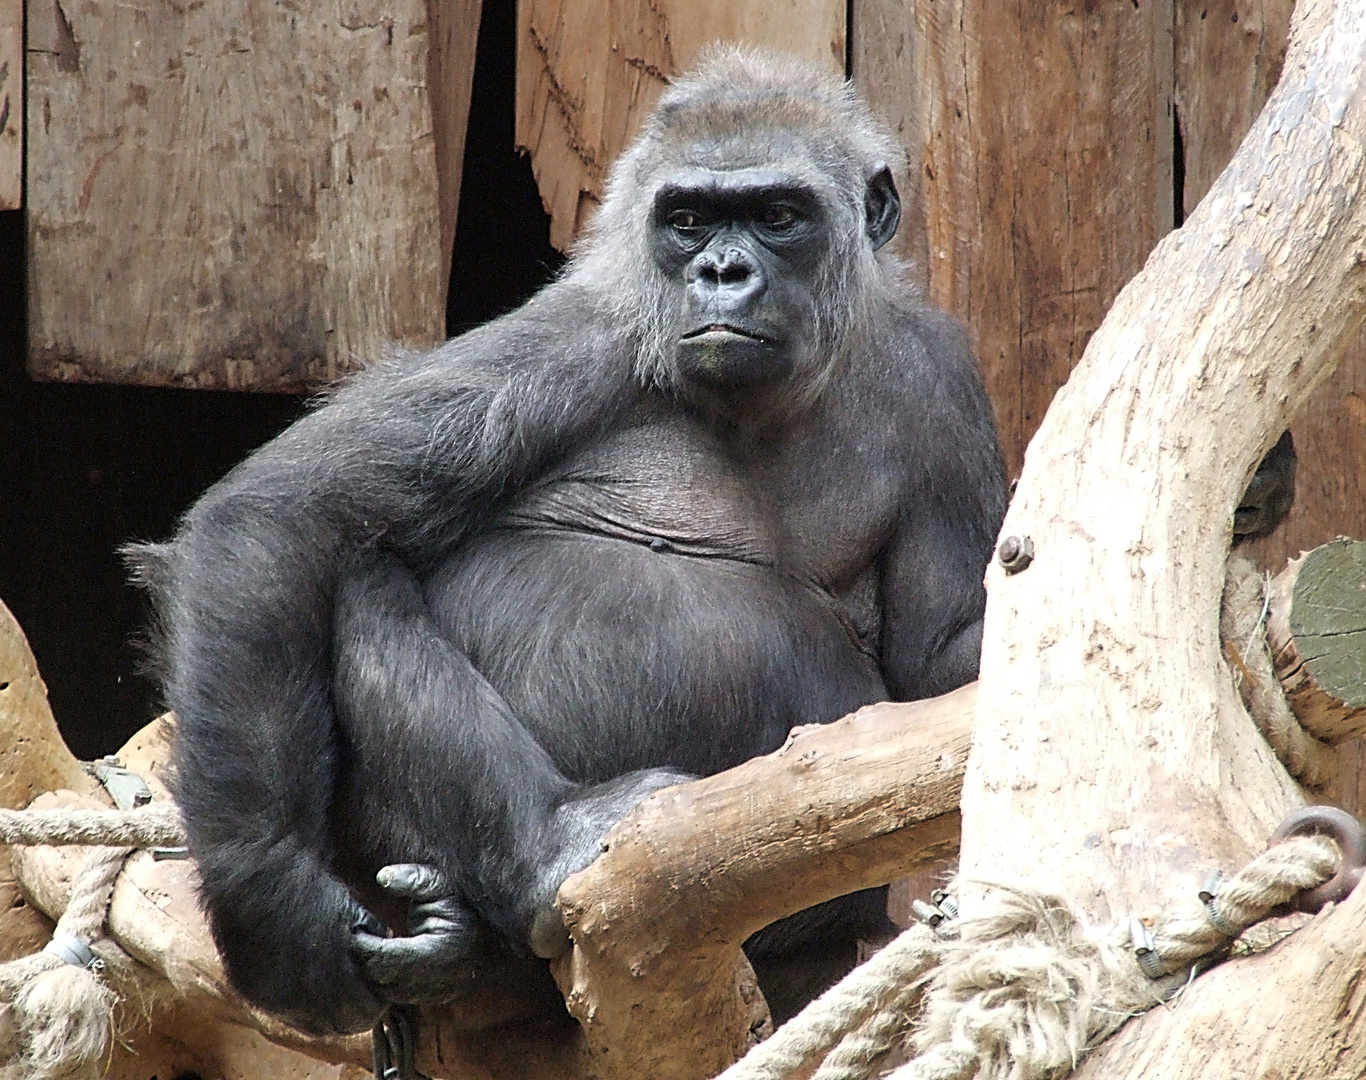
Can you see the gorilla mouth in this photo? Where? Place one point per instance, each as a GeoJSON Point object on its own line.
{"type": "Point", "coordinates": [726, 328]}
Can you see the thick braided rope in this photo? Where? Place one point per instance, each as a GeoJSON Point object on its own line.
{"type": "Point", "coordinates": [845, 1008]}
{"type": "Point", "coordinates": [83, 918]}
{"type": "Point", "coordinates": [1242, 625]}
{"type": "Point", "coordinates": [157, 825]}
{"type": "Point", "coordinates": [1272, 878]}
{"type": "Point", "coordinates": [61, 1013]}
{"type": "Point", "coordinates": [1028, 988]}
{"type": "Point", "coordinates": [856, 1055]}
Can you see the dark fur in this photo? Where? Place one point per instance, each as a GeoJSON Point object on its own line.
{"type": "Point", "coordinates": [482, 600]}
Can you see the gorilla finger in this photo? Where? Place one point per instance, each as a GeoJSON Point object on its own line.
{"type": "Point", "coordinates": [414, 881]}
{"type": "Point", "coordinates": [446, 916]}
{"type": "Point", "coordinates": [409, 960]}
{"type": "Point", "coordinates": [365, 921]}
{"type": "Point", "coordinates": [549, 936]}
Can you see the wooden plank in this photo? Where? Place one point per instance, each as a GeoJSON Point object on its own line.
{"type": "Point", "coordinates": [453, 27]}
{"type": "Point", "coordinates": [1038, 170]}
{"type": "Point", "coordinates": [232, 195]}
{"type": "Point", "coordinates": [1228, 57]}
{"type": "Point", "coordinates": [588, 71]}
{"type": "Point", "coordinates": [11, 103]}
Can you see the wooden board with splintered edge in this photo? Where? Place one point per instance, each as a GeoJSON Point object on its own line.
{"type": "Point", "coordinates": [231, 195]}
{"type": "Point", "coordinates": [11, 103]}
{"type": "Point", "coordinates": [588, 72]}
{"type": "Point", "coordinates": [1328, 619]}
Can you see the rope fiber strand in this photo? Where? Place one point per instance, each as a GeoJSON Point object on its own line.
{"type": "Point", "coordinates": [61, 1013]}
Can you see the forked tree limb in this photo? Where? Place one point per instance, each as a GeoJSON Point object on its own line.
{"type": "Point", "coordinates": [1112, 760]}
{"type": "Point", "coordinates": [658, 919]}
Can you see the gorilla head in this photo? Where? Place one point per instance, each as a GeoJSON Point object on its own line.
{"type": "Point", "coordinates": [751, 202]}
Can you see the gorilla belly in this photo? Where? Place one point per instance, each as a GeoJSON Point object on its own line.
{"type": "Point", "coordinates": [620, 655]}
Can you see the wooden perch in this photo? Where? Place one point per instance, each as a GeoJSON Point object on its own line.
{"type": "Point", "coordinates": [1317, 630]}
{"type": "Point", "coordinates": [658, 919]}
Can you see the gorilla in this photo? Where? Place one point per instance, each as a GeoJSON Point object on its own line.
{"type": "Point", "coordinates": [725, 476]}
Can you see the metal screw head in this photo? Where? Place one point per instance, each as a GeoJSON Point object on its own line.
{"type": "Point", "coordinates": [1015, 553]}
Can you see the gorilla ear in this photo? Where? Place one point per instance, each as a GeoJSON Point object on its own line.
{"type": "Point", "coordinates": [882, 206]}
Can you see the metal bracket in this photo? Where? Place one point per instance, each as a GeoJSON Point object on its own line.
{"type": "Point", "coordinates": [125, 787]}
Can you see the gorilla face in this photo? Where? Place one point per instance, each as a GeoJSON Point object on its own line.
{"type": "Point", "coordinates": [742, 249]}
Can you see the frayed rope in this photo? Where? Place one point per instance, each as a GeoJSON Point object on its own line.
{"type": "Point", "coordinates": [60, 1016]}
{"type": "Point", "coordinates": [1026, 989]}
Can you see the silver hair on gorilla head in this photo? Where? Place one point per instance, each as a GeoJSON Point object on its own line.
{"type": "Point", "coordinates": [745, 107]}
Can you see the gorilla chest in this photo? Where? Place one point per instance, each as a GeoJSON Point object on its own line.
{"type": "Point", "coordinates": [650, 605]}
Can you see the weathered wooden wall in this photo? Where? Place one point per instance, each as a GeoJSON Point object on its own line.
{"type": "Point", "coordinates": [1041, 169]}
{"type": "Point", "coordinates": [240, 195]}
{"type": "Point", "coordinates": [11, 103]}
{"type": "Point", "coordinates": [1038, 170]}
{"type": "Point", "coordinates": [589, 70]}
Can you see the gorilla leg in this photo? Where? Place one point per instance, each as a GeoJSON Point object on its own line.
{"type": "Point", "coordinates": [438, 771]}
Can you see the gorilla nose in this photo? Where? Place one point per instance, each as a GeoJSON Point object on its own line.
{"type": "Point", "coordinates": [730, 270]}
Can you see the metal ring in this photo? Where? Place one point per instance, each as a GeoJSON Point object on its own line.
{"type": "Point", "coordinates": [1346, 831]}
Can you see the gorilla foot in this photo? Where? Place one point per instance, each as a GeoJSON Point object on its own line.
{"type": "Point", "coordinates": [433, 962]}
{"type": "Point", "coordinates": [579, 826]}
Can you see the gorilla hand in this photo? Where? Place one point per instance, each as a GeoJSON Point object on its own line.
{"type": "Point", "coordinates": [1269, 495]}
{"type": "Point", "coordinates": [433, 963]}
{"type": "Point", "coordinates": [578, 827]}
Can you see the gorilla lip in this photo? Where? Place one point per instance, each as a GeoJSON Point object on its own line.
{"type": "Point", "coordinates": [724, 328]}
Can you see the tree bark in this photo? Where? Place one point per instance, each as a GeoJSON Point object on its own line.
{"type": "Point", "coordinates": [1112, 760]}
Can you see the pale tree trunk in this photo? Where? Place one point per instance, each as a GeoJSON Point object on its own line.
{"type": "Point", "coordinates": [1113, 762]}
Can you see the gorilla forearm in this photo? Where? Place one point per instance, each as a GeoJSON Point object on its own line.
{"type": "Point", "coordinates": [414, 713]}
{"type": "Point", "coordinates": [414, 453]}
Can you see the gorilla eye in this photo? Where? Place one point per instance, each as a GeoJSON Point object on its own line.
{"type": "Point", "coordinates": [779, 215]}
{"type": "Point", "coordinates": [685, 220]}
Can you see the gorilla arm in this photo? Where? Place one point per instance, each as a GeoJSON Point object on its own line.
{"type": "Point", "coordinates": [952, 504]}
{"type": "Point", "coordinates": [454, 781]}
{"type": "Point", "coordinates": [414, 453]}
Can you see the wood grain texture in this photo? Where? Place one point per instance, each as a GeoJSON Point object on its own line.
{"type": "Point", "coordinates": [1316, 629]}
{"type": "Point", "coordinates": [658, 919]}
{"type": "Point", "coordinates": [1038, 170]}
{"type": "Point", "coordinates": [588, 71]}
{"type": "Point", "coordinates": [1112, 760]}
{"type": "Point", "coordinates": [453, 34]}
{"type": "Point", "coordinates": [1228, 56]}
{"type": "Point", "coordinates": [231, 195]}
{"type": "Point", "coordinates": [11, 104]}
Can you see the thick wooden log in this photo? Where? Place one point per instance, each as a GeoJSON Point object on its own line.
{"type": "Point", "coordinates": [233, 195]}
{"type": "Point", "coordinates": [658, 919]}
{"type": "Point", "coordinates": [1228, 57]}
{"type": "Point", "coordinates": [1112, 760]}
{"type": "Point", "coordinates": [588, 72]}
{"type": "Point", "coordinates": [1316, 627]}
